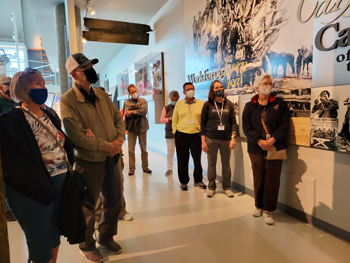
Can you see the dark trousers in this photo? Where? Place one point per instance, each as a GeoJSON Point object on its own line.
{"type": "Point", "coordinates": [94, 175]}
{"type": "Point", "coordinates": [186, 143]}
{"type": "Point", "coordinates": [266, 175]}
{"type": "Point", "coordinates": [225, 154]}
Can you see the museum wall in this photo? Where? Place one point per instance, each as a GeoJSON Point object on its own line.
{"type": "Point", "coordinates": [314, 181]}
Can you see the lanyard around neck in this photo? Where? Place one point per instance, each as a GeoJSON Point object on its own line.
{"type": "Point", "coordinates": [220, 112]}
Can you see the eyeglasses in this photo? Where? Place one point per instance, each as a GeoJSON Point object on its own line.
{"type": "Point", "coordinates": [29, 71]}
{"type": "Point", "coordinates": [266, 84]}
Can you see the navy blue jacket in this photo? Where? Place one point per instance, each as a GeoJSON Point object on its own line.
{"type": "Point", "coordinates": [22, 163]}
{"type": "Point", "coordinates": [277, 120]}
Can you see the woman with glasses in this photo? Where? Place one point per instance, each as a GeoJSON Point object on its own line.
{"type": "Point", "coordinates": [218, 130]}
{"type": "Point", "coordinates": [267, 109]}
{"type": "Point", "coordinates": [34, 151]}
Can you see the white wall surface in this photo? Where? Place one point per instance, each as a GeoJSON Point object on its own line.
{"type": "Point", "coordinates": [167, 37]}
{"type": "Point", "coordinates": [313, 181]}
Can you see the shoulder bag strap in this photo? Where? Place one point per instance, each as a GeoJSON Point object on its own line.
{"type": "Point", "coordinates": [264, 125]}
{"type": "Point", "coordinates": [48, 130]}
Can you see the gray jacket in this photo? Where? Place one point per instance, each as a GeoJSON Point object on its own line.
{"type": "Point", "coordinates": [139, 107]}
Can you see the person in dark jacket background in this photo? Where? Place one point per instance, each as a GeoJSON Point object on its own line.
{"type": "Point", "coordinates": [34, 166]}
{"type": "Point", "coordinates": [218, 131]}
{"type": "Point", "coordinates": [274, 112]}
{"type": "Point", "coordinates": [167, 117]}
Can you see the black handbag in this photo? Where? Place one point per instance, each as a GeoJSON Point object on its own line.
{"type": "Point", "coordinates": [86, 198]}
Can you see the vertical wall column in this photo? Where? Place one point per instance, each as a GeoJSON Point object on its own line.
{"type": "Point", "coordinates": [68, 41]}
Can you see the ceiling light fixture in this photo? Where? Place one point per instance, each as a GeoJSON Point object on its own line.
{"type": "Point", "coordinates": [91, 11]}
{"type": "Point", "coordinates": [89, 8]}
{"type": "Point", "coordinates": [84, 41]}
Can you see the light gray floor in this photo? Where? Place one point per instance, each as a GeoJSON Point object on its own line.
{"type": "Point", "coordinates": [173, 226]}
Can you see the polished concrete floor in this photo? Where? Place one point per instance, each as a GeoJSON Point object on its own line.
{"type": "Point", "coordinates": [172, 226]}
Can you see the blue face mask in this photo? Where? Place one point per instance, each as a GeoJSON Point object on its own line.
{"type": "Point", "coordinates": [173, 102]}
{"type": "Point", "coordinates": [38, 96]}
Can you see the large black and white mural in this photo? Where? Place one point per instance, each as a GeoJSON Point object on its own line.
{"type": "Point", "coordinates": [235, 41]}
{"type": "Point", "coordinates": [303, 45]}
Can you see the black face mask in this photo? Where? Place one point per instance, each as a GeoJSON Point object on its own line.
{"type": "Point", "coordinates": [219, 93]}
{"type": "Point", "coordinates": [7, 92]}
{"type": "Point", "coordinates": [91, 75]}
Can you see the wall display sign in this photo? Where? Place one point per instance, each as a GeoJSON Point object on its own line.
{"type": "Point", "coordinates": [235, 41]}
{"type": "Point", "coordinates": [331, 54]}
{"type": "Point", "coordinates": [146, 74]}
{"type": "Point", "coordinates": [122, 83]}
{"type": "Point", "coordinates": [235, 101]}
{"type": "Point", "coordinates": [324, 117]}
{"type": "Point", "coordinates": [303, 44]}
{"type": "Point", "coordinates": [342, 140]}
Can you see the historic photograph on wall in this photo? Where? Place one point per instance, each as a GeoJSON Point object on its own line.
{"type": "Point", "coordinates": [122, 82]}
{"type": "Point", "coordinates": [235, 101]}
{"type": "Point", "coordinates": [236, 41]}
{"type": "Point", "coordinates": [342, 143]}
{"type": "Point", "coordinates": [324, 117]}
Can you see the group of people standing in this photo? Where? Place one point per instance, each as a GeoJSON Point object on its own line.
{"type": "Point", "coordinates": [36, 153]}
{"type": "Point", "coordinates": [211, 126]}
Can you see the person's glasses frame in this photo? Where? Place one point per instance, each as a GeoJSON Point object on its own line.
{"type": "Point", "coordinates": [28, 70]}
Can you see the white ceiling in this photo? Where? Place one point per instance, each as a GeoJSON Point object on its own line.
{"type": "Point", "coordinates": [134, 11]}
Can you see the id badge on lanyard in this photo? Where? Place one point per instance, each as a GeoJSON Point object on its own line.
{"type": "Point", "coordinates": [220, 127]}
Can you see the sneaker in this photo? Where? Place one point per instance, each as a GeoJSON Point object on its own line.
{"type": "Point", "coordinates": [257, 212]}
{"type": "Point", "coordinates": [184, 187]}
{"type": "Point", "coordinates": [210, 193]}
{"type": "Point", "coordinates": [169, 172]}
{"type": "Point", "coordinates": [268, 218]}
{"type": "Point", "coordinates": [229, 193]}
{"type": "Point", "coordinates": [201, 185]}
{"type": "Point", "coordinates": [92, 256]}
{"type": "Point", "coordinates": [131, 172]}
{"type": "Point", "coordinates": [9, 216]}
{"type": "Point", "coordinates": [112, 246]}
{"type": "Point", "coordinates": [127, 217]}
{"type": "Point", "coordinates": [147, 170]}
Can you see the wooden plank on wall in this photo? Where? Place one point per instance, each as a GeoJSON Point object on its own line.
{"type": "Point", "coordinates": [116, 26]}
{"type": "Point", "coordinates": [100, 36]}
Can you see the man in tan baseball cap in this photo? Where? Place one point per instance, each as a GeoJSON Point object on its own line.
{"type": "Point", "coordinates": [6, 101]}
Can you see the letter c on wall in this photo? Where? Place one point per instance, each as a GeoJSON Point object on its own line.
{"type": "Point", "coordinates": [319, 38]}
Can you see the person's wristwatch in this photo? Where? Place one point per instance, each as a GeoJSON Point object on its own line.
{"type": "Point", "coordinates": [233, 135]}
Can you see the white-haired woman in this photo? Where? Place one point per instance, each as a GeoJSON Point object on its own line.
{"type": "Point", "coordinates": [167, 117]}
{"type": "Point", "coordinates": [34, 165]}
{"type": "Point", "coordinates": [273, 111]}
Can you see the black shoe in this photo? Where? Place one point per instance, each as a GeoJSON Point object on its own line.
{"type": "Point", "coordinates": [184, 187]}
{"type": "Point", "coordinates": [147, 170]}
{"type": "Point", "coordinates": [112, 246]}
{"type": "Point", "coordinates": [131, 172]}
{"type": "Point", "coordinates": [201, 185]}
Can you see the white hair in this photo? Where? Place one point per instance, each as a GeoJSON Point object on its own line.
{"type": "Point", "coordinates": [260, 78]}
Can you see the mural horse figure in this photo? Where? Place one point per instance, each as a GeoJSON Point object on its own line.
{"type": "Point", "coordinates": [281, 59]}
{"type": "Point", "coordinates": [307, 57]}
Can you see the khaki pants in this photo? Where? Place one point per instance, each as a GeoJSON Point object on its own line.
{"type": "Point", "coordinates": [132, 137]}
{"type": "Point", "coordinates": [170, 143]}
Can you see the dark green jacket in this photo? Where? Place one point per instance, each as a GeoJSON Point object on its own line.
{"type": "Point", "coordinates": [5, 104]}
